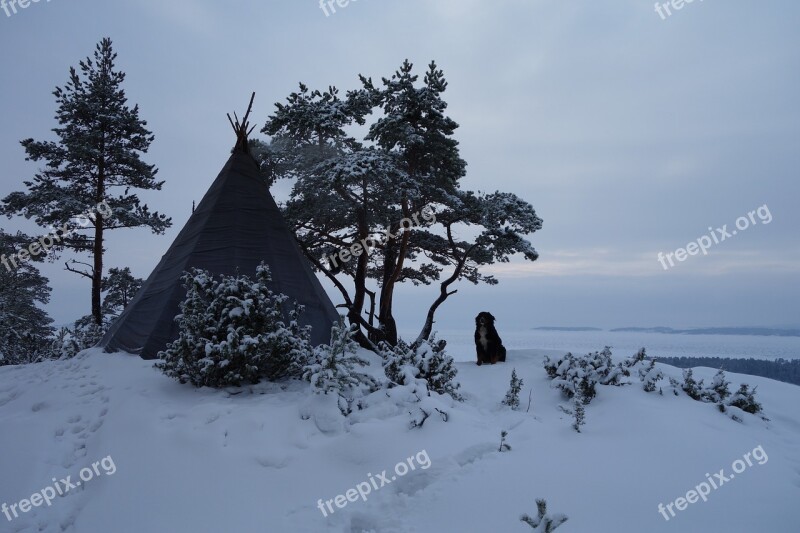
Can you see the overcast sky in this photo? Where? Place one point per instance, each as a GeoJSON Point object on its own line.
{"type": "Point", "coordinates": [629, 133]}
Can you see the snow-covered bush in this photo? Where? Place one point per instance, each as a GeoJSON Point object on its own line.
{"type": "Point", "coordinates": [691, 387]}
{"type": "Point", "coordinates": [675, 385]}
{"type": "Point", "coordinates": [581, 373]}
{"type": "Point", "coordinates": [637, 358]}
{"type": "Point", "coordinates": [86, 333]}
{"type": "Point", "coordinates": [718, 391]}
{"type": "Point", "coordinates": [333, 369]}
{"type": "Point", "coordinates": [650, 375]}
{"type": "Point", "coordinates": [745, 400]}
{"type": "Point", "coordinates": [543, 523]}
{"type": "Point", "coordinates": [64, 345]}
{"type": "Point", "coordinates": [405, 364]}
{"type": "Point", "coordinates": [514, 388]}
{"type": "Point", "coordinates": [233, 330]}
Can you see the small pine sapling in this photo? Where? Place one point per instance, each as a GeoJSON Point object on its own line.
{"type": "Point", "coordinates": [638, 357]}
{"type": "Point", "coordinates": [504, 447]}
{"type": "Point", "coordinates": [404, 364]}
{"type": "Point", "coordinates": [745, 400]}
{"type": "Point", "coordinates": [690, 386]}
{"type": "Point", "coordinates": [650, 376]}
{"type": "Point", "coordinates": [334, 369]}
{"type": "Point", "coordinates": [543, 523]}
{"type": "Point", "coordinates": [515, 387]}
{"type": "Point", "coordinates": [718, 392]}
{"type": "Point", "coordinates": [675, 384]}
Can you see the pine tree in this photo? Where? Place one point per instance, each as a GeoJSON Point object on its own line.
{"type": "Point", "coordinates": [650, 376]}
{"type": "Point", "coordinates": [690, 386]}
{"type": "Point", "coordinates": [512, 396]}
{"type": "Point", "coordinates": [675, 384]}
{"type": "Point", "coordinates": [86, 333]}
{"type": "Point", "coordinates": [439, 368]}
{"type": "Point", "coordinates": [543, 523]}
{"type": "Point", "coordinates": [745, 400]}
{"type": "Point", "coordinates": [91, 169]}
{"type": "Point", "coordinates": [235, 330]}
{"type": "Point", "coordinates": [24, 327]}
{"type": "Point", "coordinates": [718, 391]}
{"type": "Point", "coordinates": [334, 368]}
{"type": "Point", "coordinates": [348, 190]}
{"type": "Point", "coordinates": [120, 286]}
{"type": "Point", "coordinates": [63, 345]}
{"type": "Point", "coordinates": [404, 364]}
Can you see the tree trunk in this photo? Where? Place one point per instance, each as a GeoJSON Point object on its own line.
{"type": "Point", "coordinates": [360, 281]}
{"type": "Point", "coordinates": [386, 322]}
{"type": "Point", "coordinates": [428, 327]}
{"type": "Point", "coordinates": [392, 269]}
{"type": "Point", "coordinates": [444, 294]}
{"type": "Point", "coordinates": [97, 248]}
{"type": "Point", "coordinates": [97, 273]}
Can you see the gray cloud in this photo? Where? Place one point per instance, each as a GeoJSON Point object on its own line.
{"type": "Point", "coordinates": [629, 134]}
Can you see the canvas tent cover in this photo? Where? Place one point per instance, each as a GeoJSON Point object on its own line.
{"type": "Point", "coordinates": [237, 225]}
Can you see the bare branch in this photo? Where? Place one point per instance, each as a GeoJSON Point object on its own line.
{"type": "Point", "coordinates": [70, 269]}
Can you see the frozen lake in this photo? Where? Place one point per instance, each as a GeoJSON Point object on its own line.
{"type": "Point", "coordinates": [462, 347]}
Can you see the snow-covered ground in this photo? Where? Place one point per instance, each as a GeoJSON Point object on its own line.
{"type": "Point", "coordinates": [179, 459]}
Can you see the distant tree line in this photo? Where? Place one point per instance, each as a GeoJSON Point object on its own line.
{"type": "Point", "coordinates": [779, 369]}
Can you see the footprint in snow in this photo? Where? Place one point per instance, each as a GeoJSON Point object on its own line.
{"type": "Point", "coordinates": [9, 397]}
{"type": "Point", "coordinates": [474, 453]}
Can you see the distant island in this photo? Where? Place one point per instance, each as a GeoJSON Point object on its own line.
{"type": "Point", "coordinates": [768, 332]}
{"type": "Point", "coordinates": [562, 328]}
{"type": "Point", "coordinates": [784, 370]}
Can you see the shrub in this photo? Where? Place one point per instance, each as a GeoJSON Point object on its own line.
{"type": "Point", "coordinates": [745, 400]}
{"type": "Point", "coordinates": [334, 369]}
{"type": "Point", "coordinates": [543, 522]}
{"type": "Point", "coordinates": [718, 391]}
{"type": "Point", "coordinates": [650, 376]}
{"type": "Point", "coordinates": [512, 396]}
{"type": "Point", "coordinates": [404, 364]}
{"type": "Point", "coordinates": [691, 387]}
{"type": "Point", "coordinates": [574, 374]}
{"type": "Point", "coordinates": [233, 330]}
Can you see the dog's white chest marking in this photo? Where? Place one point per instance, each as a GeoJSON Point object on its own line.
{"type": "Point", "coordinates": [483, 339]}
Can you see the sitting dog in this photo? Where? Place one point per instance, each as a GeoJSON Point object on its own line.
{"type": "Point", "coordinates": [487, 342]}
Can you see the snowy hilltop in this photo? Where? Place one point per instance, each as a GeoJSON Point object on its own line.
{"type": "Point", "coordinates": [105, 442]}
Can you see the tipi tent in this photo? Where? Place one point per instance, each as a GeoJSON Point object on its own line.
{"type": "Point", "coordinates": [236, 226]}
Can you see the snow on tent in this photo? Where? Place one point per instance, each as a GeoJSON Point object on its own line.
{"type": "Point", "coordinates": [236, 226]}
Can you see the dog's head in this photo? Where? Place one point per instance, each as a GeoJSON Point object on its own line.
{"type": "Point", "coordinates": [484, 318]}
